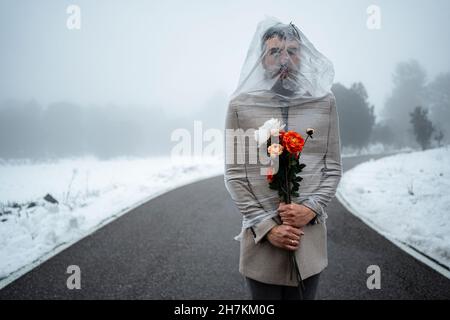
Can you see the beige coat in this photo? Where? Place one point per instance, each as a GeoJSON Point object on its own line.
{"type": "Point", "coordinates": [259, 259]}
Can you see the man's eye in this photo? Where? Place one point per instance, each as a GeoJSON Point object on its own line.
{"type": "Point", "coordinates": [274, 51]}
{"type": "Point", "coordinates": [292, 52]}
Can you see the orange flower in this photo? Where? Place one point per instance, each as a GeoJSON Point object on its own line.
{"type": "Point", "coordinates": [293, 141]}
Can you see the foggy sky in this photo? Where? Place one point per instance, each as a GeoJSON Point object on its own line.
{"type": "Point", "coordinates": [178, 55]}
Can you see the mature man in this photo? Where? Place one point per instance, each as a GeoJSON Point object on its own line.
{"type": "Point", "coordinates": [283, 77]}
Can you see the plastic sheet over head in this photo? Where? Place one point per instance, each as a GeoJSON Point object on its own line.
{"type": "Point", "coordinates": [281, 59]}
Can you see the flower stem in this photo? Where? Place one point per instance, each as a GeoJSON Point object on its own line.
{"type": "Point", "coordinates": [286, 175]}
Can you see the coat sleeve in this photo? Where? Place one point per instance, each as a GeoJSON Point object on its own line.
{"type": "Point", "coordinates": [235, 175]}
{"type": "Point", "coordinates": [332, 170]}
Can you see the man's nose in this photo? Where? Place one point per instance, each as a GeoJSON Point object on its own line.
{"type": "Point", "coordinates": [284, 57]}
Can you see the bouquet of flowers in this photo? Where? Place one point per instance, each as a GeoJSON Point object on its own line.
{"type": "Point", "coordinates": [287, 146]}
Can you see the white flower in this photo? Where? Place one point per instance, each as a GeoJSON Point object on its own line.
{"type": "Point", "coordinates": [270, 127]}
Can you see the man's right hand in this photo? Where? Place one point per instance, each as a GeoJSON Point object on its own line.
{"type": "Point", "coordinates": [285, 237]}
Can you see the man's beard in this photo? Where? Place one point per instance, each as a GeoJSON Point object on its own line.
{"type": "Point", "coordinates": [286, 80]}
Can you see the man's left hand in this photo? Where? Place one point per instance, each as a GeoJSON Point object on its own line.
{"type": "Point", "coordinates": [296, 215]}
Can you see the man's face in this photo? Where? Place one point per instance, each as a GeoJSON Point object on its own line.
{"type": "Point", "coordinates": [282, 58]}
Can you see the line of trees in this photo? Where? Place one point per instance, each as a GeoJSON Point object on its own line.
{"type": "Point", "coordinates": [356, 115]}
{"type": "Point", "coordinates": [31, 130]}
{"type": "Point", "coordinates": [416, 113]}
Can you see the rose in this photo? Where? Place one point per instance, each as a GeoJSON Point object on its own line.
{"type": "Point", "coordinates": [275, 149]}
{"type": "Point", "coordinates": [293, 142]}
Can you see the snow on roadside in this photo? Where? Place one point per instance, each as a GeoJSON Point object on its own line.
{"type": "Point", "coordinates": [371, 149]}
{"type": "Point", "coordinates": [88, 190]}
{"type": "Point", "coordinates": [406, 196]}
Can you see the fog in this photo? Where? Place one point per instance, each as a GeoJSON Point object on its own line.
{"type": "Point", "coordinates": [167, 63]}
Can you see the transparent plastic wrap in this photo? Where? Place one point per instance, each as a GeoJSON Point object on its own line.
{"type": "Point", "coordinates": [285, 83]}
{"type": "Point", "coordinates": [281, 59]}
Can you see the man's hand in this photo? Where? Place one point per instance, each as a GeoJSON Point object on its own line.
{"type": "Point", "coordinates": [285, 237]}
{"type": "Point", "coordinates": [295, 215]}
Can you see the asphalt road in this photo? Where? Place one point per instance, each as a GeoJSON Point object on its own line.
{"type": "Point", "coordinates": [180, 246]}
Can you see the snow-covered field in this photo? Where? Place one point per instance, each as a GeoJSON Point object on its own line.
{"type": "Point", "coordinates": [88, 191]}
{"type": "Point", "coordinates": [406, 196]}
